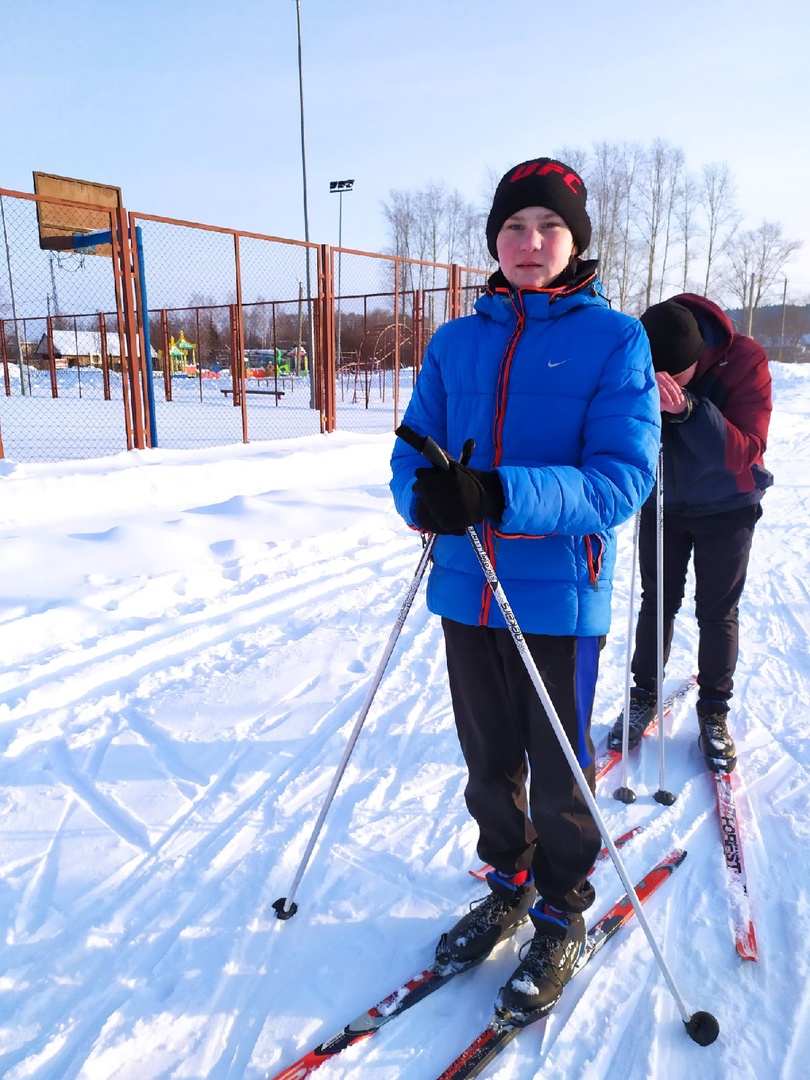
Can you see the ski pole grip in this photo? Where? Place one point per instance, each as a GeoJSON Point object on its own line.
{"type": "Point", "coordinates": [425, 445]}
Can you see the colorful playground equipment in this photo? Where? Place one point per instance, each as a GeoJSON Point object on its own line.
{"type": "Point", "coordinates": [179, 358]}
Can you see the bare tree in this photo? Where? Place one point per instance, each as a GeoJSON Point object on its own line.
{"type": "Point", "coordinates": [632, 156]}
{"type": "Point", "coordinates": [716, 196]}
{"type": "Point", "coordinates": [757, 258]}
{"type": "Point", "coordinates": [489, 184]}
{"type": "Point", "coordinates": [673, 200]}
{"type": "Point", "coordinates": [433, 225]}
{"type": "Point", "coordinates": [400, 214]}
{"type": "Point", "coordinates": [655, 199]}
{"type": "Point", "coordinates": [465, 234]}
{"type": "Point", "coordinates": [454, 225]}
{"type": "Point", "coordinates": [686, 214]}
{"type": "Point", "coordinates": [431, 208]}
{"type": "Point", "coordinates": [607, 192]}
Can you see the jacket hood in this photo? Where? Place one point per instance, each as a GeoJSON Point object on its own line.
{"type": "Point", "coordinates": [502, 302]}
{"type": "Point", "coordinates": [716, 328]}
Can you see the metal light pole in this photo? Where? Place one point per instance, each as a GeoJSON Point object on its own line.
{"type": "Point", "coordinates": [303, 139]}
{"type": "Point", "coordinates": [311, 334]}
{"type": "Point", "coordinates": [338, 187]}
{"type": "Point", "coordinates": [13, 300]}
{"type": "Point", "coordinates": [784, 309]}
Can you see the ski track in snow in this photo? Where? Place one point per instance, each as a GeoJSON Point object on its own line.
{"type": "Point", "coordinates": [79, 709]}
{"type": "Point", "coordinates": [169, 736]}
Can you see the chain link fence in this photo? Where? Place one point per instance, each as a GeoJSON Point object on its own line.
{"type": "Point", "coordinates": [231, 336]}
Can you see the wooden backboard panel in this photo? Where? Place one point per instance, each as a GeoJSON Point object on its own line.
{"type": "Point", "coordinates": [58, 224]}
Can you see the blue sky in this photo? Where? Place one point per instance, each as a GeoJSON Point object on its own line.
{"type": "Point", "coordinates": [191, 106]}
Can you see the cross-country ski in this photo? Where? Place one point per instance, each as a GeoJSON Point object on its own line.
{"type": "Point", "coordinates": [745, 937]}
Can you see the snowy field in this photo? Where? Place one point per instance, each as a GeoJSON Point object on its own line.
{"type": "Point", "coordinates": [186, 639]}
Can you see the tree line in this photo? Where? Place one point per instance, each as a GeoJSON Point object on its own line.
{"type": "Point", "coordinates": [659, 227]}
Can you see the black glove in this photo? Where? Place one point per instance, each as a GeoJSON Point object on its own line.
{"type": "Point", "coordinates": [452, 499]}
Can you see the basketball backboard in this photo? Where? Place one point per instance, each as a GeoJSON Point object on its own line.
{"type": "Point", "coordinates": [59, 224]}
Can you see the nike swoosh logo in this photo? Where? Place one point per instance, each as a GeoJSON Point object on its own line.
{"type": "Point", "coordinates": [558, 363]}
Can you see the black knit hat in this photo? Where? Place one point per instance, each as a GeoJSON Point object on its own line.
{"type": "Point", "coordinates": [675, 340]}
{"type": "Point", "coordinates": [541, 182]}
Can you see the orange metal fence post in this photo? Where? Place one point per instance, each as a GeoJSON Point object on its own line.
{"type": "Point", "coordinates": [105, 357]}
{"type": "Point", "coordinates": [167, 360]}
{"type": "Point", "coordinates": [455, 291]}
{"type": "Point", "coordinates": [130, 343]}
{"type": "Point", "coordinates": [118, 285]}
{"type": "Point", "coordinates": [4, 358]}
{"type": "Point", "coordinates": [396, 343]}
{"type": "Point", "coordinates": [141, 318]}
{"type": "Point", "coordinates": [325, 310]}
{"type": "Point", "coordinates": [240, 339]}
{"type": "Point", "coordinates": [237, 360]}
{"type": "Point", "coordinates": [52, 358]}
{"type": "Point", "coordinates": [418, 330]}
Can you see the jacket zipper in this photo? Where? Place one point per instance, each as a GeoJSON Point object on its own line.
{"type": "Point", "coordinates": [487, 532]}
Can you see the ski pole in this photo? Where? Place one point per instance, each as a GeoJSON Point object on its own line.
{"type": "Point", "coordinates": [702, 1027]}
{"type": "Point", "coordinates": [624, 793]}
{"type": "Point", "coordinates": [284, 907]}
{"type": "Point", "coordinates": [666, 798]}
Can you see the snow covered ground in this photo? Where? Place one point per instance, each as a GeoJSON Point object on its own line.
{"type": "Point", "coordinates": [186, 639]}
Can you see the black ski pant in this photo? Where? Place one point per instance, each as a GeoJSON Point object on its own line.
{"type": "Point", "coordinates": [720, 545]}
{"type": "Point", "coordinates": [507, 741]}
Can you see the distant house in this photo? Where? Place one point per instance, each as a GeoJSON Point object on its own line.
{"type": "Point", "coordinates": [74, 348]}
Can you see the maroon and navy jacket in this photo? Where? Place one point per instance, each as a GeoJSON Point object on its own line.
{"type": "Point", "coordinates": [713, 451]}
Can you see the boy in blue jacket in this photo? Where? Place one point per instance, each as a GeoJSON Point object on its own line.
{"type": "Point", "coordinates": [558, 393]}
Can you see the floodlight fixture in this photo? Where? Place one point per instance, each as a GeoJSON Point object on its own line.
{"type": "Point", "coordinates": [340, 187]}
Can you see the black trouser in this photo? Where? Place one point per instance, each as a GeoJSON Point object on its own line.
{"type": "Point", "coordinates": [506, 739]}
{"type": "Point", "coordinates": [721, 545]}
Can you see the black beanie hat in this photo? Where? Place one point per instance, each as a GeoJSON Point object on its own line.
{"type": "Point", "coordinates": [675, 340]}
{"type": "Point", "coordinates": [541, 182]}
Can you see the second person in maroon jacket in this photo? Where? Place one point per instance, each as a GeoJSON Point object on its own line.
{"type": "Point", "coordinates": [715, 390]}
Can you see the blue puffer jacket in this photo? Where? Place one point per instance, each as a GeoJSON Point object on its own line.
{"type": "Point", "coordinates": [559, 395]}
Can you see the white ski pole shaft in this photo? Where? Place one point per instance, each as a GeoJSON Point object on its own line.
{"type": "Point", "coordinates": [623, 788]}
{"type": "Point", "coordinates": [284, 907]}
{"type": "Point", "coordinates": [662, 795]}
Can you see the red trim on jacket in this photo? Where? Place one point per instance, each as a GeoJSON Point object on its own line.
{"type": "Point", "coordinates": [488, 533]}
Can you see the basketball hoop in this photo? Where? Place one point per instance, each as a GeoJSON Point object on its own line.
{"type": "Point", "coordinates": [70, 260]}
{"type": "Point", "coordinates": [59, 225]}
